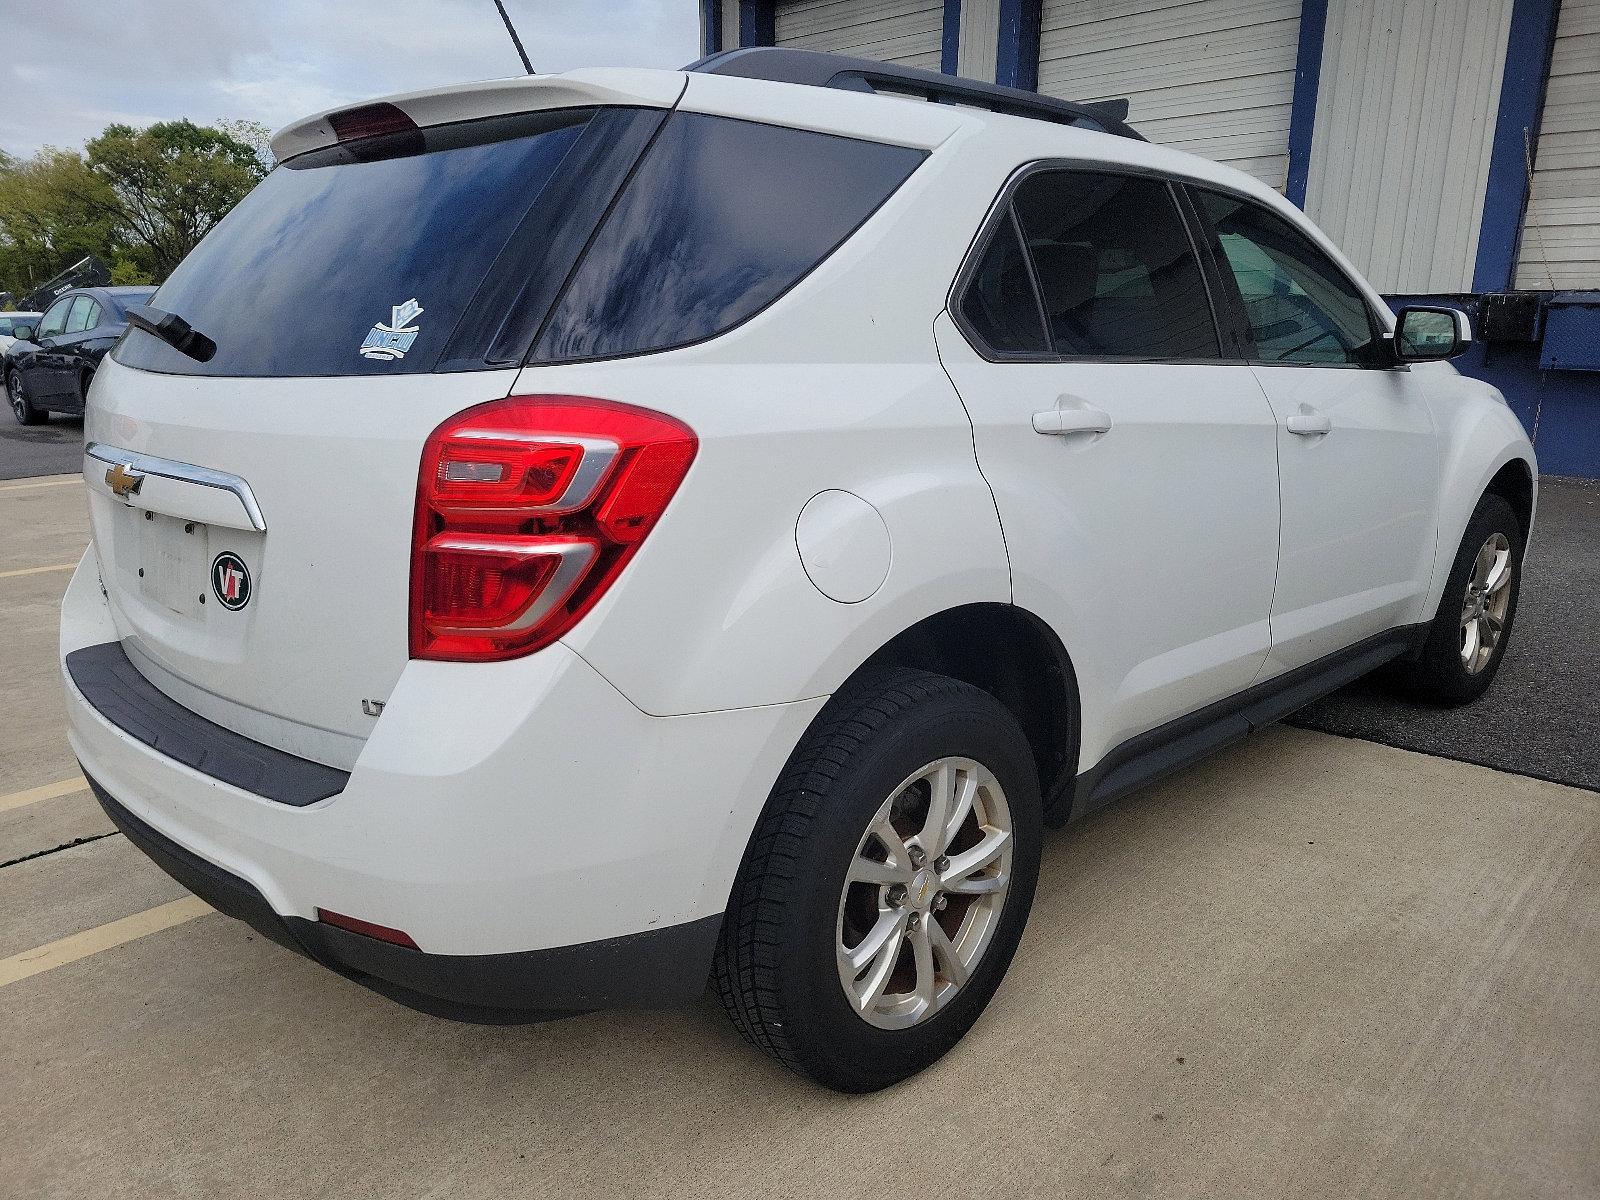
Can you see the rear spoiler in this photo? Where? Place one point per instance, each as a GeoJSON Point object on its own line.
{"type": "Point", "coordinates": [493, 98]}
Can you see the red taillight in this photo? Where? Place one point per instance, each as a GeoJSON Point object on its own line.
{"type": "Point", "coordinates": [383, 933]}
{"type": "Point", "coordinates": [527, 509]}
{"type": "Point", "coordinates": [370, 120]}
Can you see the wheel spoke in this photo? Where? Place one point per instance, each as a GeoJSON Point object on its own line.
{"type": "Point", "coordinates": [1481, 566]}
{"type": "Point", "coordinates": [945, 951]}
{"type": "Point", "coordinates": [941, 796]}
{"type": "Point", "coordinates": [1499, 572]}
{"type": "Point", "coordinates": [1469, 641]}
{"type": "Point", "coordinates": [955, 877]}
{"type": "Point", "coordinates": [893, 844]}
{"type": "Point", "coordinates": [870, 870]}
{"type": "Point", "coordinates": [922, 955]}
{"type": "Point", "coordinates": [886, 931]}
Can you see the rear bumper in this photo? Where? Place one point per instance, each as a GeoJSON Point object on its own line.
{"type": "Point", "coordinates": [496, 989]}
{"type": "Point", "coordinates": [548, 846]}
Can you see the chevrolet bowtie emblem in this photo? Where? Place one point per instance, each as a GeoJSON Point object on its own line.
{"type": "Point", "coordinates": [123, 481]}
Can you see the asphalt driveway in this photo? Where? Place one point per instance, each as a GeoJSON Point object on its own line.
{"type": "Point", "coordinates": [1542, 715]}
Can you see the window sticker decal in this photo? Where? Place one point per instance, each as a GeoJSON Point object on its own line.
{"type": "Point", "coordinates": [389, 342]}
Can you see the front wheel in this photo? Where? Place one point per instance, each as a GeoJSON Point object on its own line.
{"type": "Point", "coordinates": [21, 407]}
{"type": "Point", "coordinates": [1468, 637]}
{"type": "Point", "coordinates": [888, 883]}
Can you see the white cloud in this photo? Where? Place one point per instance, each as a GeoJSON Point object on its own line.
{"type": "Point", "coordinates": [70, 69]}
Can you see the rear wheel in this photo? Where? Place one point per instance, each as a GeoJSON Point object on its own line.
{"type": "Point", "coordinates": [1468, 637]}
{"type": "Point", "coordinates": [887, 884]}
{"type": "Point", "coordinates": [21, 407]}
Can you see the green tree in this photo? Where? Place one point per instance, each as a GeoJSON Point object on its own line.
{"type": "Point", "coordinates": [52, 213]}
{"type": "Point", "coordinates": [164, 187]}
{"type": "Point", "coordinates": [138, 199]}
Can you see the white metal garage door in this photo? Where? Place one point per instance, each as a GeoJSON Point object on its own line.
{"type": "Point", "coordinates": [1560, 247]}
{"type": "Point", "coordinates": [1214, 77]}
{"type": "Point", "coordinates": [900, 31]}
{"type": "Point", "coordinates": [1404, 131]}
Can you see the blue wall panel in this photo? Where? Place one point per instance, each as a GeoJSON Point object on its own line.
{"type": "Point", "coordinates": [1017, 54]}
{"type": "Point", "coordinates": [1307, 83]}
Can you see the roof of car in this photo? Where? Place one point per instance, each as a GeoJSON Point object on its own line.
{"type": "Point", "coordinates": [9, 313]}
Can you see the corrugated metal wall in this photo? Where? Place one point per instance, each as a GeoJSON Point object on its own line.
{"type": "Point", "coordinates": [980, 33]}
{"type": "Point", "coordinates": [902, 31]}
{"type": "Point", "coordinates": [1560, 246]}
{"type": "Point", "coordinates": [1214, 77]}
{"type": "Point", "coordinates": [1404, 129]}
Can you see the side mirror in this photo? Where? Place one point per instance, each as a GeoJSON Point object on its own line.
{"type": "Point", "coordinates": [1431, 334]}
{"type": "Point", "coordinates": [23, 333]}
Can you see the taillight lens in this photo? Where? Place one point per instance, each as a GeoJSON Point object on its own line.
{"type": "Point", "coordinates": [527, 509]}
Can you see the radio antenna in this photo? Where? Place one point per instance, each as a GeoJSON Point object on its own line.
{"type": "Point", "coordinates": [515, 40]}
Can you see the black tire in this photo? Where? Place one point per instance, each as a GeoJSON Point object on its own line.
{"type": "Point", "coordinates": [1439, 674]}
{"type": "Point", "coordinates": [21, 407]}
{"type": "Point", "coordinates": [775, 968]}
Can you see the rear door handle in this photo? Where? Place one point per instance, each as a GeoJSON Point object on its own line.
{"type": "Point", "coordinates": [1062, 422]}
{"type": "Point", "coordinates": [1308, 424]}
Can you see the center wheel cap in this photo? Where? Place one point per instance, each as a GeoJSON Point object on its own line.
{"type": "Point", "coordinates": [923, 888]}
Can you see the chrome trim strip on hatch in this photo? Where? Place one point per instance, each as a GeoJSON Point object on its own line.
{"type": "Point", "coordinates": [166, 468]}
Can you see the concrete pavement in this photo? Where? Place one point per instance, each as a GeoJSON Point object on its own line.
{"type": "Point", "coordinates": [1310, 967]}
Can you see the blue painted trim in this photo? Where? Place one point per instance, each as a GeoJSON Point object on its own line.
{"type": "Point", "coordinates": [1307, 85]}
{"type": "Point", "coordinates": [950, 38]}
{"type": "Point", "coordinates": [758, 22]}
{"type": "Point", "coordinates": [711, 26]}
{"type": "Point", "coordinates": [1016, 61]}
{"type": "Point", "coordinates": [1522, 88]}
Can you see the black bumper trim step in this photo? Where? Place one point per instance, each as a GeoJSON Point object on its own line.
{"type": "Point", "coordinates": [114, 688]}
{"type": "Point", "coordinates": [661, 966]}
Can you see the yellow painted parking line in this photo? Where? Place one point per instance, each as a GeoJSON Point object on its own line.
{"type": "Point", "coordinates": [103, 937]}
{"type": "Point", "coordinates": [37, 570]}
{"type": "Point", "coordinates": [46, 791]}
{"type": "Point", "coordinates": [42, 482]}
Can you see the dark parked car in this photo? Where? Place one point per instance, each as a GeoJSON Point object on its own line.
{"type": "Point", "coordinates": [51, 372]}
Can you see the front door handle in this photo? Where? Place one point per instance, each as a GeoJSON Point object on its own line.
{"type": "Point", "coordinates": [1308, 424]}
{"type": "Point", "coordinates": [1062, 422]}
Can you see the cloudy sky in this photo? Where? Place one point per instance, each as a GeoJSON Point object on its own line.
{"type": "Point", "coordinates": [71, 67]}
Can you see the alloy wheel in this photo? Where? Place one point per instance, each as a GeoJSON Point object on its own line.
{"type": "Point", "coordinates": [1488, 599]}
{"type": "Point", "coordinates": [14, 391]}
{"type": "Point", "coordinates": [924, 893]}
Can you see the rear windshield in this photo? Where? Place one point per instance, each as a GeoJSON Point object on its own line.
{"type": "Point", "coordinates": [582, 234]}
{"type": "Point", "coordinates": [359, 259]}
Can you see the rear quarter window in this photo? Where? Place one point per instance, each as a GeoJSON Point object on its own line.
{"type": "Point", "coordinates": [721, 218]}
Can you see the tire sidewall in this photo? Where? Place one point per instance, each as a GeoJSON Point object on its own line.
{"type": "Point", "coordinates": [1493, 515]}
{"type": "Point", "coordinates": [843, 1047]}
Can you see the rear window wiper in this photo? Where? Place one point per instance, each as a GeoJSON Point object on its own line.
{"type": "Point", "coordinates": [173, 330]}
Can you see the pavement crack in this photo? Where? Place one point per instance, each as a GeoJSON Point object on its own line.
{"type": "Point", "coordinates": [83, 841]}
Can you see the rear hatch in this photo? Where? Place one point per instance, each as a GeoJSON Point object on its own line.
{"type": "Point", "coordinates": [253, 512]}
{"type": "Point", "coordinates": [260, 570]}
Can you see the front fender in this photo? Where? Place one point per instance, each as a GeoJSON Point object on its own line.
{"type": "Point", "coordinates": [1479, 436]}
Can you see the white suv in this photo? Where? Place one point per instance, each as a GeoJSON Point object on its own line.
{"type": "Point", "coordinates": [565, 539]}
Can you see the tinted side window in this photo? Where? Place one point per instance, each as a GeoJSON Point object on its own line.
{"type": "Point", "coordinates": [1300, 307]}
{"type": "Point", "coordinates": [1116, 269]}
{"type": "Point", "coordinates": [1000, 306]}
{"type": "Point", "coordinates": [81, 316]}
{"type": "Point", "coordinates": [721, 218]}
{"type": "Point", "coordinates": [55, 317]}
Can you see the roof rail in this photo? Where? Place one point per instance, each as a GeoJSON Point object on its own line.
{"type": "Point", "coordinates": [814, 69]}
